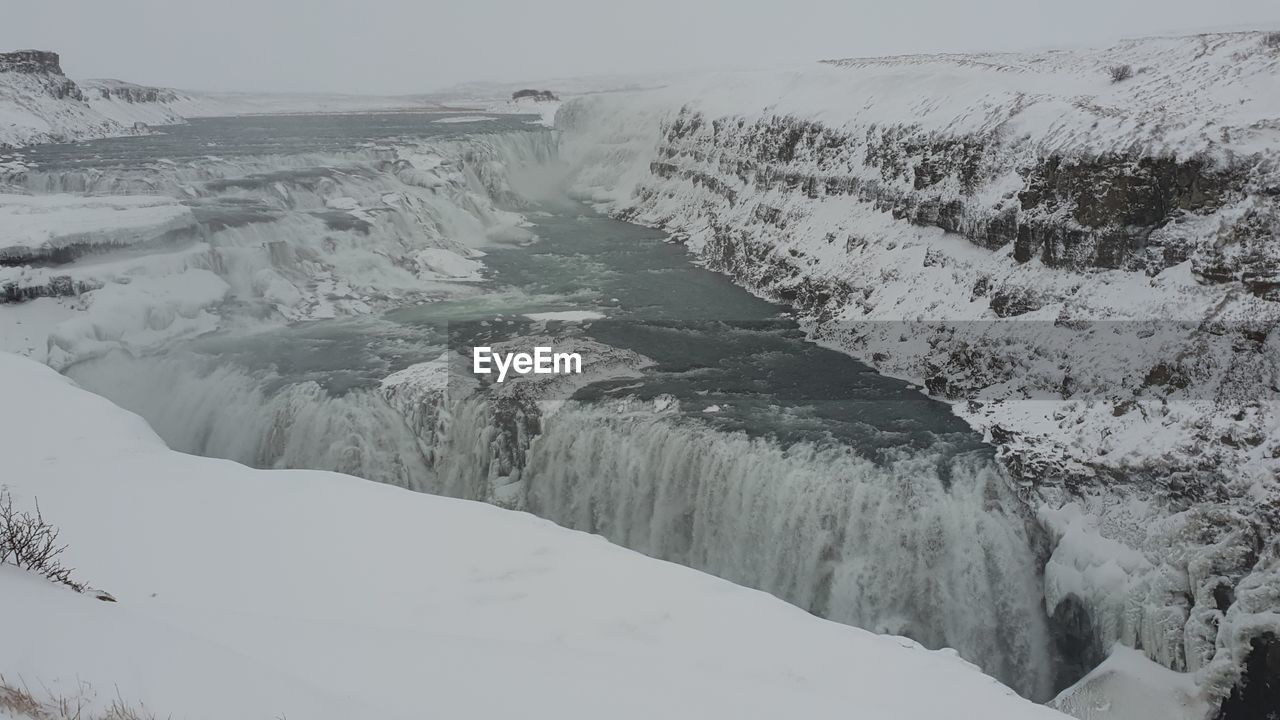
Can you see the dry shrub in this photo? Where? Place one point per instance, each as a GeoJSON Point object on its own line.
{"type": "Point", "coordinates": [28, 542]}
{"type": "Point", "coordinates": [1120, 73]}
{"type": "Point", "coordinates": [16, 700]}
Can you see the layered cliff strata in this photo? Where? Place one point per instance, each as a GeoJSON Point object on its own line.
{"type": "Point", "coordinates": [128, 104]}
{"type": "Point", "coordinates": [1086, 267]}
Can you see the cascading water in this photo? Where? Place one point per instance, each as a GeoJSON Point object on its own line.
{"type": "Point", "coordinates": [925, 540]}
{"type": "Point", "coordinates": [929, 544]}
{"type": "Point", "coordinates": [220, 410]}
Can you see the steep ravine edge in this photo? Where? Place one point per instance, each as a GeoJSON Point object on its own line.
{"type": "Point", "coordinates": [911, 245]}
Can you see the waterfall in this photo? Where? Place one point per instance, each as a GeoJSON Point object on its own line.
{"type": "Point", "coordinates": [217, 409]}
{"type": "Point", "coordinates": [891, 547]}
{"type": "Point", "coordinates": [896, 546]}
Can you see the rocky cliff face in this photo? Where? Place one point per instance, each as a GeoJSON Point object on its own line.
{"type": "Point", "coordinates": [40, 104]}
{"type": "Point", "coordinates": [1087, 269]}
{"type": "Point", "coordinates": [44, 68]}
{"type": "Point", "coordinates": [31, 61]}
{"type": "Point", "coordinates": [128, 92]}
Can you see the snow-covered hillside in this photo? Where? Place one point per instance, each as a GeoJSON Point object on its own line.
{"type": "Point", "coordinates": [309, 594]}
{"type": "Point", "coordinates": [979, 224]}
{"type": "Point", "coordinates": [128, 104]}
{"type": "Point", "coordinates": [39, 104]}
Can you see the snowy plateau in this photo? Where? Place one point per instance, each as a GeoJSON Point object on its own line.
{"type": "Point", "coordinates": [1084, 268]}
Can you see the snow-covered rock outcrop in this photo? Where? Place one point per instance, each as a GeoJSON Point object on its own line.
{"type": "Point", "coordinates": [39, 104]}
{"type": "Point", "coordinates": [312, 594]}
{"type": "Point", "coordinates": [1087, 268]}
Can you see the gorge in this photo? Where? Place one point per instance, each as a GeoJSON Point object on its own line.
{"type": "Point", "coordinates": [1073, 285]}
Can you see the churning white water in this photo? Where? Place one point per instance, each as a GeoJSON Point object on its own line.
{"type": "Point", "coordinates": [220, 410]}
{"type": "Point", "coordinates": [892, 547]}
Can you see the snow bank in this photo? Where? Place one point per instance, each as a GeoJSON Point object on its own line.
{"type": "Point", "coordinates": [37, 226]}
{"type": "Point", "coordinates": [1128, 686]}
{"type": "Point", "coordinates": [311, 594]}
{"type": "Point", "coordinates": [142, 314]}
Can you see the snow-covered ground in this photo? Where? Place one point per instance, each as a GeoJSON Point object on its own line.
{"type": "Point", "coordinates": [310, 594]}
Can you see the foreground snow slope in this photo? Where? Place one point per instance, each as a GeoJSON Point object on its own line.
{"type": "Point", "coordinates": [978, 224]}
{"type": "Point", "coordinates": [311, 594]}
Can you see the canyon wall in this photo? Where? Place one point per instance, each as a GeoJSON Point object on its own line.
{"type": "Point", "coordinates": [1085, 267]}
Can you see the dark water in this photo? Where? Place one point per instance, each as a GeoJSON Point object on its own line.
{"type": "Point", "coordinates": [717, 347]}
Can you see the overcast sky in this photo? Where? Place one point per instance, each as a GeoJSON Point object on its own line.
{"type": "Point", "coordinates": [385, 46]}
